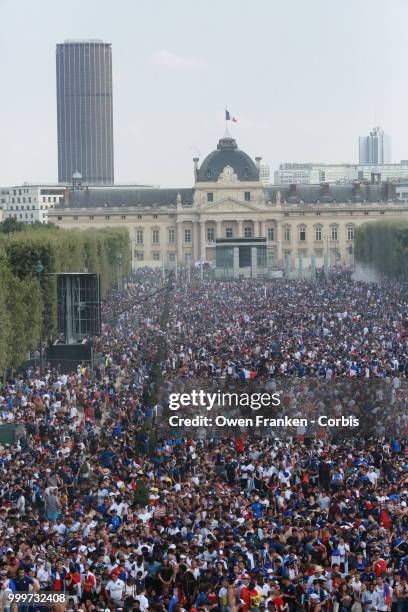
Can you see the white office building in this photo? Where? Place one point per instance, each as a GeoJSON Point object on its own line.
{"type": "Point", "coordinates": [314, 174]}
{"type": "Point", "coordinates": [265, 174]}
{"type": "Point", "coordinates": [29, 203]}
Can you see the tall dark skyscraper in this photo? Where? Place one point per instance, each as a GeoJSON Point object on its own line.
{"type": "Point", "coordinates": [84, 111]}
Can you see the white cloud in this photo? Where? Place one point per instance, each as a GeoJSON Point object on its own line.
{"type": "Point", "coordinates": [166, 58]}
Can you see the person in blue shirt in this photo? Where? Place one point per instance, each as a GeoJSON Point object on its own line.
{"type": "Point", "coordinates": [115, 521]}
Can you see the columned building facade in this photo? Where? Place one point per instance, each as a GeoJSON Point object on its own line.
{"type": "Point", "coordinates": [228, 200]}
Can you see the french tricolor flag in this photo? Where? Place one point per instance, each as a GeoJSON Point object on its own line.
{"type": "Point", "coordinates": [229, 117]}
{"type": "Point", "coordinates": [247, 374]}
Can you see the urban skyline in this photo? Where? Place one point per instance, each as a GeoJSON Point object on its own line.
{"type": "Point", "coordinates": [172, 82]}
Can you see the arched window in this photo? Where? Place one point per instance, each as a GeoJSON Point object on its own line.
{"type": "Point", "coordinates": [350, 232]}
{"type": "Point", "coordinates": [318, 233]}
{"type": "Point", "coordinates": [334, 232]}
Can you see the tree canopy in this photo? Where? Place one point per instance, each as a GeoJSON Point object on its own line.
{"type": "Point", "coordinates": [28, 294]}
{"type": "Point", "coordinates": [384, 247]}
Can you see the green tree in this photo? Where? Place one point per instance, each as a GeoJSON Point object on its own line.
{"type": "Point", "coordinates": [11, 225]}
{"type": "Point", "coordinates": [27, 297]}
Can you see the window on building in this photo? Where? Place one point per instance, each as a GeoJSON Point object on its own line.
{"type": "Point", "coordinates": [24, 200]}
{"type": "Point", "coordinates": [318, 233]}
{"type": "Point", "coordinates": [247, 196]}
{"type": "Point", "coordinates": [334, 232]}
{"type": "Point", "coordinates": [172, 257]}
{"type": "Point", "coordinates": [156, 256]}
{"type": "Point", "coordinates": [350, 232]}
{"type": "Point", "coordinates": [139, 255]}
{"type": "Point", "coordinates": [155, 236]}
{"type": "Point", "coordinates": [91, 217]}
{"type": "Point", "coordinates": [139, 236]}
{"type": "Point", "coordinates": [75, 218]}
{"type": "Point", "coordinates": [228, 232]}
{"type": "Point", "coordinates": [29, 199]}
{"type": "Point", "coordinates": [187, 235]}
{"type": "Point", "coordinates": [139, 216]}
{"type": "Point", "coordinates": [172, 235]}
{"type": "Point", "coordinates": [247, 232]}
{"type": "Point", "coordinates": [286, 233]}
{"type": "Point", "coordinates": [154, 216]}
{"type": "Point", "coordinates": [18, 200]}
{"type": "Point", "coordinates": [302, 233]}
{"type": "Point", "coordinates": [271, 234]}
{"type": "Point", "coordinates": [210, 196]}
{"type": "Point", "coordinates": [210, 234]}
{"type": "Point", "coordinates": [59, 218]}
{"type": "Point", "coordinates": [107, 217]}
{"type": "Point", "coordinates": [123, 216]}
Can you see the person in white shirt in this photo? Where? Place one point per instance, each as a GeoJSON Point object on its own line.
{"type": "Point", "coordinates": [372, 476]}
{"type": "Point", "coordinates": [142, 599]}
{"type": "Point", "coordinates": [43, 575]}
{"type": "Point", "coordinates": [383, 595]}
{"type": "Point", "coordinates": [115, 589]}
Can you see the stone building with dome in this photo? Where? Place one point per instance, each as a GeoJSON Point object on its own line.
{"type": "Point", "coordinates": [228, 200]}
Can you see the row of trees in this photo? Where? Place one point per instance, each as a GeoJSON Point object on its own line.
{"type": "Point", "coordinates": [383, 246]}
{"type": "Point", "coordinates": [29, 258]}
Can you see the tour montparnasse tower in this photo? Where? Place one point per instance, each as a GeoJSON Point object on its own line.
{"type": "Point", "coordinates": [84, 111]}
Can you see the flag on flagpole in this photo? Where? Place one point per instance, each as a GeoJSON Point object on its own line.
{"type": "Point", "coordinates": [229, 117]}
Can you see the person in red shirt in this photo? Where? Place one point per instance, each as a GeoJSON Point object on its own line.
{"type": "Point", "coordinates": [239, 445]}
{"type": "Point", "coordinates": [245, 595]}
{"type": "Point", "coordinates": [278, 602]}
{"type": "Point", "coordinates": [385, 519]}
{"type": "Point", "coordinates": [88, 584]}
{"type": "Point", "coordinates": [72, 581]}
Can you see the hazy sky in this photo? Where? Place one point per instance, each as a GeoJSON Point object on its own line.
{"type": "Point", "coordinates": [305, 79]}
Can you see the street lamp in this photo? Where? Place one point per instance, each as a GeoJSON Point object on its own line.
{"type": "Point", "coordinates": [39, 268]}
{"type": "Point", "coordinates": [119, 283]}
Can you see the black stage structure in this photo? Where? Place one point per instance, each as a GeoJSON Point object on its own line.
{"type": "Point", "coordinates": [79, 319]}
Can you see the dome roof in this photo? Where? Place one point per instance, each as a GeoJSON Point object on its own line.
{"type": "Point", "coordinates": [228, 154]}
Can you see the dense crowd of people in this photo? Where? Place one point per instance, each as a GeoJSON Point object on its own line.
{"type": "Point", "coordinates": [100, 502]}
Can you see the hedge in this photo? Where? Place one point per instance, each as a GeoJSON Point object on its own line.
{"type": "Point", "coordinates": [384, 247]}
{"type": "Point", "coordinates": [27, 297]}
